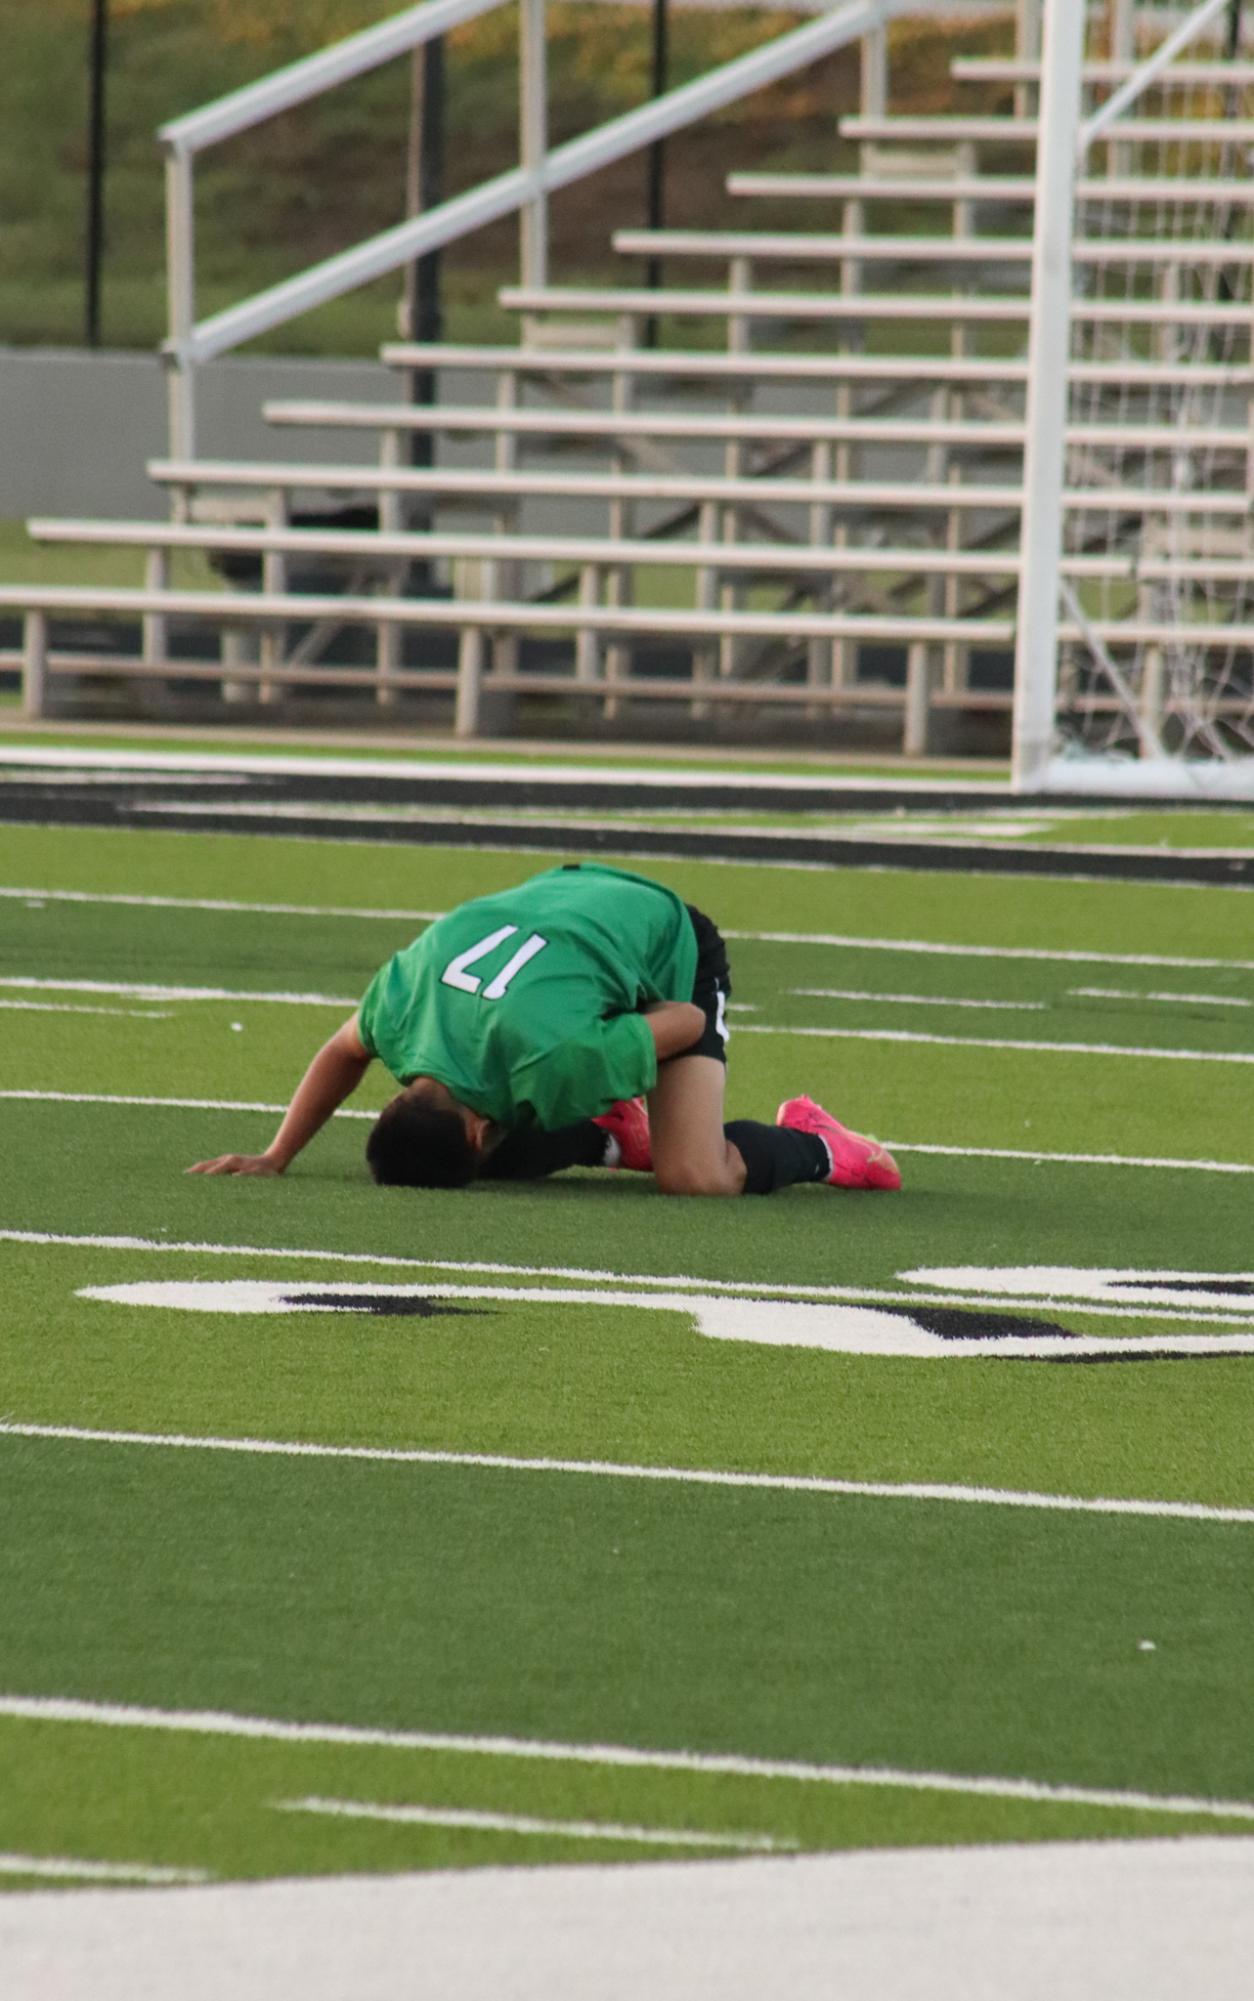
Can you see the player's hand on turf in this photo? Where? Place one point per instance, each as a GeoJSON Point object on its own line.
{"type": "Point", "coordinates": [238, 1163]}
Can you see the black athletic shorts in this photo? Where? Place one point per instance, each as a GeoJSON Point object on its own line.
{"type": "Point", "coordinates": [711, 987]}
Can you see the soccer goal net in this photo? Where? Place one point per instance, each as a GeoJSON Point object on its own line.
{"type": "Point", "coordinates": [1141, 678]}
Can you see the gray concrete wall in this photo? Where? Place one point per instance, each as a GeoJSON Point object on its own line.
{"type": "Point", "coordinates": [76, 427]}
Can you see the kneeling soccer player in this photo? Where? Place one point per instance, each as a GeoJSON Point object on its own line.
{"type": "Point", "coordinates": [525, 1027]}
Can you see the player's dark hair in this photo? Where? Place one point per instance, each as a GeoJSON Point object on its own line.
{"type": "Point", "coordinates": [415, 1145]}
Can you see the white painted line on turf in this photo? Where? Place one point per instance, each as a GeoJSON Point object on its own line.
{"type": "Point", "coordinates": [153, 990]}
{"type": "Point", "coordinates": [244, 994]}
{"type": "Point", "coordinates": [518, 1823]}
{"type": "Point", "coordinates": [958, 829]}
{"type": "Point", "coordinates": [1192, 1000]}
{"type": "Point", "coordinates": [916, 1000]}
{"type": "Point", "coordinates": [1070, 1159]}
{"type": "Point", "coordinates": [929, 948]}
{"type": "Point", "coordinates": [204, 781]}
{"type": "Point", "coordinates": [167, 1104]}
{"type": "Point", "coordinates": [682, 1285]}
{"type": "Point", "coordinates": [1168, 1285]}
{"type": "Point", "coordinates": [604, 1469]}
{"type": "Point", "coordinates": [231, 906]}
{"type": "Point", "coordinates": [844, 941]}
{"type": "Point", "coordinates": [66, 1866]}
{"type": "Point", "coordinates": [223, 1723]}
{"type": "Point", "coordinates": [69, 1007]}
{"type": "Point", "coordinates": [852, 1327]}
{"type": "Point", "coordinates": [1001, 1042]}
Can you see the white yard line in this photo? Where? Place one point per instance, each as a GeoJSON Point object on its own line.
{"type": "Point", "coordinates": [519, 1823]}
{"type": "Point", "coordinates": [220, 1723]}
{"type": "Point", "coordinates": [148, 991]}
{"type": "Point", "coordinates": [1032, 1155]}
{"type": "Point", "coordinates": [153, 990]}
{"type": "Point", "coordinates": [232, 906]}
{"type": "Point", "coordinates": [842, 940]}
{"type": "Point", "coordinates": [168, 1104]}
{"type": "Point", "coordinates": [1123, 993]}
{"type": "Point", "coordinates": [70, 1007]}
{"type": "Point", "coordinates": [650, 1283]}
{"type": "Point", "coordinates": [66, 1867]}
{"type": "Point", "coordinates": [603, 1469]}
{"type": "Point", "coordinates": [929, 948]}
{"type": "Point", "coordinates": [916, 1000]}
{"type": "Point", "coordinates": [1070, 1159]}
{"type": "Point", "coordinates": [1000, 1042]}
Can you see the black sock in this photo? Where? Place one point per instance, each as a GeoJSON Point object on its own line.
{"type": "Point", "coordinates": [530, 1154]}
{"type": "Point", "coordinates": [776, 1156]}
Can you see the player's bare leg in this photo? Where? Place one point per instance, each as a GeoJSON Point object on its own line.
{"type": "Point", "coordinates": [691, 1154]}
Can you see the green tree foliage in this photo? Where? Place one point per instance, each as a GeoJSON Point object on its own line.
{"type": "Point", "coordinates": [307, 184]}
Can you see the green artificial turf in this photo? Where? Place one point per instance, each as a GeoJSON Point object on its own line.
{"type": "Point", "coordinates": [1074, 1649]}
{"type": "Point", "coordinates": [213, 1803]}
{"type": "Point", "coordinates": [483, 1603]}
{"type": "Point", "coordinates": [606, 1381]}
{"type": "Point", "coordinates": [1050, 915]}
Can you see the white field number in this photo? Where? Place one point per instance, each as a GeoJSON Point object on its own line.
{"type": "Point", "coordinates": [847, 1327]}
{"type": "Point", "coordinates": [457, 972]}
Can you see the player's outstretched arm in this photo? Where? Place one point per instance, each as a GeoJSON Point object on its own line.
{"type": "Point", "coordinates": [335, 1072]}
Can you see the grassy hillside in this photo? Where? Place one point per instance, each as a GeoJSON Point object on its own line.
{"type": "Point", "coordinates": [321, 177]}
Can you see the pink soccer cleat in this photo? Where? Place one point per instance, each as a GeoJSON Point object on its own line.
{"type": "Point", "coordinates": [856, 1162]}
{"type": "Point", "coordinates": [627, 1123]}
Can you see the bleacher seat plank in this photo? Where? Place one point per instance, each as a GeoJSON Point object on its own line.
{"type": "Point", "coordinates": [761, 367]}
{"type": "Point", "coordinates": [488, 485]}
{"type": "Point", "coordinates": [958, 308]}
{"type": "Point", "coordinates": [998, 188]}
{"type": "Point", "coordinates": [800, 247]}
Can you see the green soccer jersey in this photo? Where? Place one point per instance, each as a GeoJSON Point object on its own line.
{"type": "Point", "coordinates": [525, 1004]}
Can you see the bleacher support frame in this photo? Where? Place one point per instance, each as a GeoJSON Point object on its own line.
{"type": "Point", "coordinates": [907, 505]}
{"type": "Point", "coordinates": [542, 169]}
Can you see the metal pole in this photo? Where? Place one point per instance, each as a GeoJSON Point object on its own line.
{"type": "Point", "coordinates": [95, 168]}
{"type": "Point", "coordinates": [655, 187]}
{"type": "Point", "coordinates": [1044, 457]}
{"type": "Point", "coordinates": [422, 317]}
{"type": "Point", "coordinates": [35, 665]}
{"type": "Point", "coordinates": [181, 294]}
{"type": "Point", "coordinates": [533, 126]}
{"type": "Point", "coordinates": [1232, 33]}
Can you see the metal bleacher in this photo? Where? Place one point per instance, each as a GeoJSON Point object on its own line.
{"type": "Point", "coordinates": [818, 518]}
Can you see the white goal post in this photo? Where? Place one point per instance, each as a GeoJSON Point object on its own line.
{"type": "Point", "coordinates": [1167, 707]}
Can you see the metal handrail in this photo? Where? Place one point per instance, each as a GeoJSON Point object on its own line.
{"type": "Point", "coordinates": [313, 75]}
{"type": "Point", "coordinates": [525, 187]}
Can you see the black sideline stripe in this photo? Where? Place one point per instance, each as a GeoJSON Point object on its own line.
{"type": "Point", "coordinates": [670, 794]}
{"type": "Point", "coordinates": [56, 807]}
